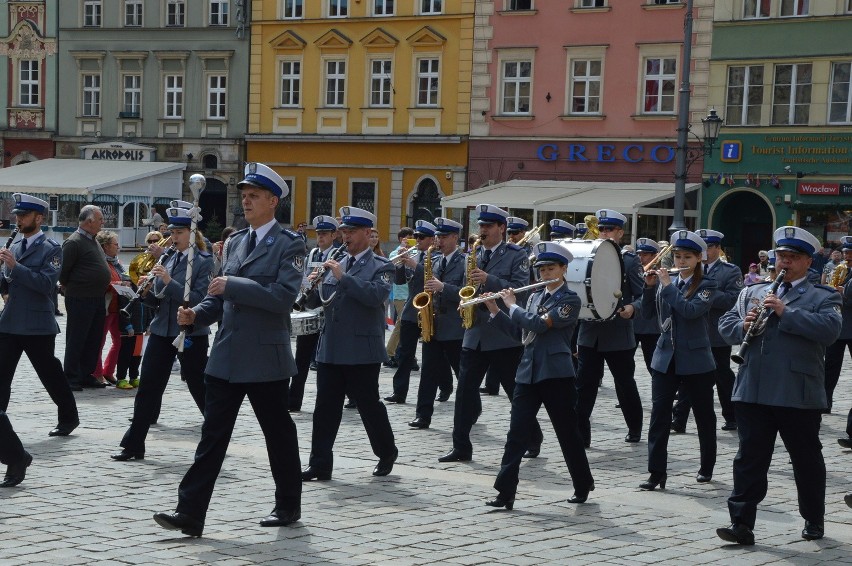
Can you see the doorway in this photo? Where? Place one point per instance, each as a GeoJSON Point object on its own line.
{"type": "Point", "coordinates": [426, 204]}
{"type": "Point", "coordinates": [213, 203]}
{"type": "Point", "coordinates": [747, 222]}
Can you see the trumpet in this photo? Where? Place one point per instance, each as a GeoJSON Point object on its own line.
{"type": "Point", "coordinates": [409, 253]}
{"type": "Point", "coordinates": [530, 235]}
{"type": "Point", "coordinates": [671, 271]}
{"type": "Point", "coordinates": [481, 299]}
{"type": "Point", "coordinates": [148, 281]}
{"type": "Point", "coordinates": [651, 265]}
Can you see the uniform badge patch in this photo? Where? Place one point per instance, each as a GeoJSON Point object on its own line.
{"type": "Point", "coordinates": [837, 309]}
{"type": "Point", "coordinates": [564, 311]}
{"type": "Point", "coordinates": [56, 262]}
{"type": "Point", "coordinates": [386, 277]}
{"type": "Point", "coordinates": [525, 265]}
{"type": "Point", "coordinates": [704, 295]}
{"type": "Point", "coordinates": [739, 282]}
{"type": "Point", "coordinates": [299, 262]}
{"type": "Point", "coordinates": [270, 240]}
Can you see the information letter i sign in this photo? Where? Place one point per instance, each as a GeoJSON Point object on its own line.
{"type": "Point", "coordinates": [732, 152]}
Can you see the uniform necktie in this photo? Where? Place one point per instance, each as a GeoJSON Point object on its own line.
{"type": "Point", "coordinates": [175, 265]}
{"type": "Point", "coordinates": [23, 246]}
{"type": "Point", "coordinates": [706, 268]}
{"type": "Point", "coordinates": [317, 255]}
{"type": "Point", "coordinates": [252, 242]}
{"type": "Point", "coordinates": [486, 256]}
{"type": "Point", "coordinates": [443, 266]}
{"type": "Point", "coordinates": [350, 262]}
{"type": "Point", "coordinates": [420, 258]}
{"type": "Point", "coordinates": [785, 286]}
{"type": "Point", "coordinates": [681, 284]}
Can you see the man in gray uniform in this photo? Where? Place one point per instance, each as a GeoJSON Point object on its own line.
{"type": "Point", "coordinates": [27, 323]}
{"type": "Point", "coordinates": [252, 300]}
{"type": "Point", "coordinates": [780, 387]}
{"type": "Point", "coordinates": [351, 348]}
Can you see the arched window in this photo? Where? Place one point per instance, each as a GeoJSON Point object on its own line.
{"type": "Point", "coordinates": [211, 161]}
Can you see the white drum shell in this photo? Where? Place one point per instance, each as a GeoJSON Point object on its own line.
{"type": "Point", "coordinates": [595, 274]}
{"type": "Point", "coordinates": [306, 322]}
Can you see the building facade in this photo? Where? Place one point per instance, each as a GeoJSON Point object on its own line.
{"type": "Point", "coordinates": [167, 75]}
{"type": "Point", "coordinates": [362, 102]}
{"type": "Point", "coordinates": [583, 90]}
{"type": "Point", "coordinates": [786, 147]}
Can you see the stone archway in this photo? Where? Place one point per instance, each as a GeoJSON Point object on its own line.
{"type": "Point", "coordinates": [425, 202]}
{"type": "Point", "coordinates": [747, 219]}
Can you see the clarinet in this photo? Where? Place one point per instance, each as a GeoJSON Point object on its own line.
{"type": "Point", "coordinates": [299, 304]}
{"type": "Point", "coordinates": [8, 245]}
{"type": "Point", "coordinates": [763, 314]}
{"type": "Point", "coordinates": [146, 283]}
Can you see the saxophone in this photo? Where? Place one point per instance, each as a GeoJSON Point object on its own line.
{"type": "Point", "coordinates": [468, 314]}
{"type": "Point", "coordinates": [839, 274]}
{"type": "Point", "coordinates": [423, 302]}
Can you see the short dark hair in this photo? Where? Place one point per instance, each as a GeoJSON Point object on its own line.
{"type": "Point", "coordinates": [405, 232]}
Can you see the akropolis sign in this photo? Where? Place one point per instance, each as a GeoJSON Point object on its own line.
{"type": "Point", "coordinates": [605, 153]}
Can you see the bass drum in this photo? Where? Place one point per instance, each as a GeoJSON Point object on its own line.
{"type": "Point", "coordinates": [595, 274]}
{"type": "Point", "coordinates": [306, 322]}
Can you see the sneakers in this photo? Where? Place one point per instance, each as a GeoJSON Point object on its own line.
{"type": "Point", "coordinates": [134, 382]}
{"type": "Point", "coordinates": [123, 384]}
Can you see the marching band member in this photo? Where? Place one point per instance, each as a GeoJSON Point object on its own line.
{"type": "Point", "coordinates": [485, 348]}
{"type": "Point", "coordinates": [409, 270]}
{"type": "Point", "coordinates": [252, 299]}
{"type": "Point", "coordinates": [836, 351]}
{"type": "Point", "coordinates": [682, 358]}
{"type": "Point", "coordinates": [612, 342]}
{"type": "Point", "coordinates": [780, 388]}
{"type": "Point", "coordinates": [31, 267]}
{"type": "Point", "coordinates": [581, 230]}
{"type": "Point", "coordinates": [351, 347]}
{"type": "Point", "coordinates": [729, 282]}
{"type": "Point", "coordinates": [306, 345]}
{"type": "Point", "coordinates": [646, 330]}
{"type": "Point", "coordinates": [160, 354]}
{"type": "Point", "coordinates": [516, 229]}
{"type": "Point", "coordinates": [560, 229]}
{"type": "Point", "coordinates": [771, 273]}
{"type": "Point", "coordinates": [442, 353]}
{"type": "Point", "coordinates": [545, 375]}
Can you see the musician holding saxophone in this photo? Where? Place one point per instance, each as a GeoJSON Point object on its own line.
{"type": "Point", "coordinates": [780, 387]}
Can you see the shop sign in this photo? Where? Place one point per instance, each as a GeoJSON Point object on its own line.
{"type": "Point", "coordinates": [825, 189]}
{"type": "Point", "coordinates": [118, 152]}
{"type": "Point", "coordinates": [605, 153]}
{"type": "Point", "coordinates": [824, 152]}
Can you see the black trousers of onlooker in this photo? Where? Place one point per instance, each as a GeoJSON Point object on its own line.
{"type": "Point", "coordinates": [39, 349]}
{"type": "Point", "coordinates": [11, 449]}
{"type": "Point", "coordinates": [559, 397]}
{"type": "Point", "coordinates": [622, 367]}
{"type": "Point", "coordinates": [156, 368]}
{"type": "Point", "coordinates": [648, 343]}
{"type": "Point", "coordinates": [306, 347]}
{"type": "Point", "coordinates": [699, 388]}
{"type": "Point", "coordinates": [724, 378]}
{"type": "Point", "coordinates": [127, 362]}
{"type": "Point", "coordinates": [360, 382]}
{"type": "Point", "coordinates": [441, 358]}
{"type": "Point", "coordinates": [406, 351]}
{"type": "Point", "coordinates": [222, 405]}
{"type": "Point", "coordinates": [473, 366]}
{"type": "Point", "coordinates": [83, 332]}
{"type": "Point", "coordinates": [833, 362]}
{"type": "Point", "coordinates": [758, 426]}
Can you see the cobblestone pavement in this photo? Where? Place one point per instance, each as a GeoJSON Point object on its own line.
{"type": "Point", "coordinates": [77, 506]}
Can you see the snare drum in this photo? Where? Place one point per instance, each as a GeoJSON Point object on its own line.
{"type": "Point", "coordinates": [595, 274]}
{"type": "Point", "coordinates": [306, 322]}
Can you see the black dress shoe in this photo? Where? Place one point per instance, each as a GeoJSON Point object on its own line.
{"type": "Point", "coordinates": [395, 399]}
{"type": "Point", "coordinates": [126, 454]}
{"type": "Point", "coordinates": [845, 442]}
{"type": "Point", "coordinates": [533, 452]}
{"type": "Point", "coordinates": [633, 436]}
{"type": "Point", "coordinates": [281, 517]}
{"type": "Point", "coordinates": [75, 386]}
{"type": "Point", "coordinates": [444, 395]}
{"type": "Point", "coordinates": [655, 479]}
{"type": "Point", "coordinates": [489, 391]}
{"type": "Point", "coordinates": [848, 499]}
{"type": "Point", "coordinates": [311, 473]}
{"type": "Point", "coordinates": [581, 496]}
{"type": "Point", "coordinates": [502, 501]}
{"type": "Point", "coordinates": [737, 533]}
{"type": "Point", "coordinates": [313, 366]}
{"type": "Point", "coordinates": [813, 531]}
{"type": "Point", "coordinates": [420, 422]}
{"type": "Point", "coordinates": [16, 473]}
{"type": "Point", "coordinates": [729, 425]}
{"type": "Point", "coordinates": [391, 363]}
{"type": "Point", "coordinates": [180, 522]}
{"type": "Point", "coordinates": [455, 455]}
{"type": "Point", "coordinates": [678, 428]}
{"type": "Point", "coordinates": [350, 405]}
{"type": "Point", "coordinates": [385, 465]}
{"type": "Point", "coordinates": [64, 429]}
{"type": "Point", "coordinates": [703, 478]}
{"type": "Point", "coordinates": [416, 366]}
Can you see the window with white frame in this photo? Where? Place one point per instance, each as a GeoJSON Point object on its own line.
{"type": "Point", "coordinates": [380, 83]}
{"type": "Point", "coordinates": [92, 13]}
{"type": "Point", "coordinates": [744, 100]}
{"type": "Point", "coordinates": [383, 7]}
{"type": "Point", "coordinates": [794, 7]}
{"type": "Point", "coordinates": [662, 2]}
{"type": "Point", "coordinates": [436, 6]}
{"type": "Point", "coordinates": [791, 103]}
{"type": "Point", "coordinates": [586, 86]}
{"type": "Point", "coordinates": [658, 92]}
{"type": "Point", "coordinates": [217, 97]}
{"type": "Point", "coordinates": [338, 8]}
{"type": "Point", "coordinates": [428, 81]}
{"type": "Point", "coordinates": [335, 82]}
{"type": "Point", "coordinates": [91, 94]}
{"type": "Point", "coordinates": [592, 4]}
{"type": "Point", "coordinates": [28, 82]}
{"type": "Point", "coordinates": [520, 5]}
{"type": "Point", "coordinates": [291, 83]}
{"type": "Point", "coordinates": [175, 13]}
{"type": "Point", "coordinates": [516, 85]}
{"type": "Point", "coordinates": [173, 96]}
{"type": "Point", "coordinates": [219, 12]}
{"type": "Point", "coordinates": [293, 9]}
{"type": "Point", "coordinates": [756, 9]}
{"type": "Point", "coordinates": [133, 13]}
{"type": "Point", "coordinates": [840, 105]}
{"type": "Point", "coordinates": [131, 86]}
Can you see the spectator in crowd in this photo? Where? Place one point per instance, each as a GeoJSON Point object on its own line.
{"type": "Point", "coordinates": [375, 243]}
{"type": "Point", "coordinates": [156, 219]}
{"type": "Point", "coordinates": [219, 248]}
{"type": "Point", "coordinates": [399, 294]}
{"type": "Point", "coordinates": [105, 372]}
{"type": "Point", "coordinates": [834, 260]}
{"type": "Point", "coordinates": [763, 263]}
{"type": "Point", "coordinates": [752, 276]}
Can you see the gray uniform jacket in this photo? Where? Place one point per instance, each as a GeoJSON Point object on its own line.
{"type": "Point", "coordinates": [171, 295]}
{"type": "Point", "coordinates": [617, 333]}
{"type": "Point", "coordinates": [729, 283]}
{"type": "Point", "coordinates": [508, 267]}
{"type": "Point", "coordinates": [253, 341]}
{"type": "Point", "coordinates": [448, 324]}
{"type": "Point", "coordinates": [414, 278]}
{"type": "Point", "coordinates": [785, 365]}
{"type": "Point", "coordinates": [846, 329]}
{"type": "Point", "coordinates": [30, 308]}
{"type": "Point", "coordinates": [685, 338]}
{"type": "Point", "coordinates": [548, 356]}
{"type": "Point", "coordinates": [354, 331]}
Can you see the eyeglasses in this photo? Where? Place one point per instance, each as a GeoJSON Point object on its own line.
{"type": "Point", "coordinates": [514, 232]}
{"type": "Point", "coordinates": [607, 229]}
{"type": "Point", "coordinates": [421, 236]}
{"type": "Point", "coordinates": [153, 241]}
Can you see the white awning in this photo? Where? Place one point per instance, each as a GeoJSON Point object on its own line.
{"type": "Point", "coordinates": [93, 177]}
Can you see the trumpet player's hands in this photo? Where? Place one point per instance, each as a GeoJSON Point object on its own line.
{"type": "Point", "coordinates": [161, 272]}
{"type": "Point", "coordinates": [216, 287]}
{"type": "Point", "coordinates": [409, 262]}
{"type": "Point", "coordinates": [508, 296]}
{"type": "Point", "coordinates": [8, 258]}
{"type": "Point", "coordinates": [626, 311]}
{"type": "Point", "coordinates": [185, 317]}
{"type": "Point", "coordinates": [434, 286]}
{"type": "Point", "coordinates": [665, 278]}
{"type": "Point", "coordinates": [478, 276]}
{"type": "Point", "coordinates": [650, 279]}
{"type": "Point", "coordinates": [335, 267]}
{"type": "Point", "coordinates": [491, 303]}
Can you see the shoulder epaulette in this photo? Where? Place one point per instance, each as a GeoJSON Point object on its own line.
{"type": "Point", "coordinates": [52, 242]}
{"type": "Point", "coordinates": [381, 259]}
{"type": "Point", "coordinates": [241, 231]}
{"type": "Point", "coordinates": [514, 247]}
{"type": "Point", "coordinates": [291, 233]}
{"type": "Point", "coordinates": [824, 287]}
{"type": "Point", "coordinates": [204, 253]}
{"type": "Point", "coordinates": [628, 253]}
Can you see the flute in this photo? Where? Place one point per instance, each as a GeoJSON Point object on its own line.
{"type": "Point", "coordinates": [482, 299]}
{"type": "Point", "coordinates": [671, 270]}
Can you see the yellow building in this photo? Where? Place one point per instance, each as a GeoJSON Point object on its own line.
{"type": "Point", "coordinates": [362, 102]}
